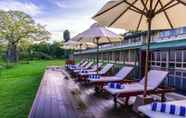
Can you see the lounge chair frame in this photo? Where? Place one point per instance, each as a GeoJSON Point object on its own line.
{"type": "Point", "coordinates": [84, 77]}
{"type": "Point", "coordinates": [158, 91]}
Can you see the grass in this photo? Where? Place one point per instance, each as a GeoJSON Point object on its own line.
{"type": "Point", "coordinates": [18, 86]}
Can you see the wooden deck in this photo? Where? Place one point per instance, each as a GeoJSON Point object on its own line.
{"type": "Point", "coordinates": [58, 97]}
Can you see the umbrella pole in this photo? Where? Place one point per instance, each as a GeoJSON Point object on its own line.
{"type": "Point", "coordinates": [147, 56]}
{"type": "Point", "coordinates": [97, 56]}
{"type": "Point", "coordinates": [80, 51]}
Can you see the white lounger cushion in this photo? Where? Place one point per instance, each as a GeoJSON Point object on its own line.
{"type": "Point", "coordinates": [127, 88]}
{"type": "Point", "coordinates": [155, 77]}
{"type": "Point", "coordinates": [146, 109]}
{"type": "Point", "coordinates": [119, 76]}
{"type": "Point", "coordinates": [104, 70]}
{"type": "Point", "coordinates": [80, 66]}
{"type": "Point", "coordinates": [86, 67]}
{"type": "Point", "coordinates": [94, 68]}
{"type": "Point", "coordinates": [85, 63]}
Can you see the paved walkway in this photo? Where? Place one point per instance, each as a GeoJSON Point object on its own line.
{"type": "Point", "coordinates": [55, 99]}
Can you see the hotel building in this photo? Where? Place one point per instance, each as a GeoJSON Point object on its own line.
{"type": "Point", "coordinates": [167, 52]}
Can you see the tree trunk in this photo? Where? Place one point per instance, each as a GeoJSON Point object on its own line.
{"type": "Point", "coordinates": [12, 55]}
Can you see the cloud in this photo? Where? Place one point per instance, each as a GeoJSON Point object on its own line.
{"type": "Point", "coordinates": [56, 25]}
{"type": "Point", "coordinates": [61, 4]}
{"type": "Point", "coordinates": [59, 24]}
{"type": "Point", "coordinates": [27, 7]}
{"type": "Point", "coordinates": [58, 15]}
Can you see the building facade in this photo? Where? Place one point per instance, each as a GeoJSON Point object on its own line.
{"type": "Point", "coordinates": [167, 52]}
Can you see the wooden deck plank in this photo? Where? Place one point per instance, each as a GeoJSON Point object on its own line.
{"type": "Point", "coordinates": [54, 99]}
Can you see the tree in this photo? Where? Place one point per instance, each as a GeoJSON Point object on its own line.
{"type": "Point", "coordinates": [45, 50]}
{"type": "Point", "coordinates": [66, 35]}
{"type": "Point", "coordinates": [24, 46]}
{"type": "Point", "coordinates": [16, 26]}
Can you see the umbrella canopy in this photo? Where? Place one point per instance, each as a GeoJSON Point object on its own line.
{"type": "Point", "coordinates": [133, 14]}
{"type": "Point", "coordinates": [143, 15]}
{"type": "Point", "coordinates": [78, 45]}
{"type": "Point", "coordinates": [97, 31]}
{"type": "Point", "coordinates": [99, 35]}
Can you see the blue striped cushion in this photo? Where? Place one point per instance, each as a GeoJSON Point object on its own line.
{"type": "Point", "coordinates": [169, 108]}
{"type": "Point", "coordinates": [95, 76]}
{"type": "Point", "coordinates": [116, 85]}
{"type": "Point", "coordinates": [84, 71]}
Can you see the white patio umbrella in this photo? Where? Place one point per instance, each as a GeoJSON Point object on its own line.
{"type": "Point", "coordinates": [99, 35]}
{"type": "Point", "coordinates": [75, 45]}
{"type": "Point", "coordinates": [143, 15]}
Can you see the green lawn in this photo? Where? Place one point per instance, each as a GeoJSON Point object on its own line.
{"type": "Point", "coordinates": [18, 86]}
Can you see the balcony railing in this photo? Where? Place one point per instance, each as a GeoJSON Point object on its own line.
{"type": "Point", "coordinates": [110, 46]}
{"type": "Point", "coordinates": [130, 43]}
{"type": "Point", "coordinates": [170, 38]}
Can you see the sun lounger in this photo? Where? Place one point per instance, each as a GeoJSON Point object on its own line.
{"type": "Point", "coordinates": [81, 62]}
{"type": "Point", "coordinates": [73, 67]}
{"type": "Point", "coordinates": [155, 78]}
{"type": "Point", "coordinates": [93, 69]}
{"type": "Point", "coordinates": [120, 76]}
{"type": "Point", "coordinates": [83, 65]}
{"type": "Point", "coordinates": [165, 112]}
{"type": "Point", "coordinates": [83, 68]}
{"type": "Point", "coordinates": [103, 71]}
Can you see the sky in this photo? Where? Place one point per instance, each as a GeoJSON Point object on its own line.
{"type": "Point", "coordinates": [59, 15]}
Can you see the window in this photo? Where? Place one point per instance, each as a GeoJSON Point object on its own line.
{"type": "Point", "coordinates": [153, 63]}
{"type": "Point", "coordinates": [163, 65]}
{"type": "Point", "coordinates": [178, 56]}
{"type": "Point", "coordinates": [171, 65]}
{"type": "Point", "coordinates": [178, 73]}
{"type": "Point", "coordinates": [159, 59]}
{"type": "Point", "coordinates": [161, 34]}
{"type": "Point", "coordinates": [179, 31]}
{"type": "Point", "coordinates": [184, 56]}
{"type": "Point", "coordinates": [172, 56]}
{"type": "Point", "coordinates": [132, 56]}
{"type": "Point", "coordinates": [158, 56]}
{"type": "Point", "coordinates": [184, 74]}
{"type": "Point", "coordinates": [152, 57]}
{"type": "Point", "coordinates": [184, 65]}
{"type": "Point", "coordinates": [172, 32]}
{"type": "Point", "coordinates": [184, 29]}
{"type": "Point", "coordinates": [163, 56]}
{"type": "Point", "coordinates": [125, 56]}
{"type": "Point", "coordinates": [116, 56]}
{"type": "Point", "coordinates": [178, 65]}
{"type": "Point", "coordinates": [167, 33]}
{"type": "Point", "coordinates": [157, 64]}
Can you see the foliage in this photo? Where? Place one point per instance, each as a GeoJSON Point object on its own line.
{"type": "Point", "coordinates": [24, 46]}
{"type": "Point", "coordinates": [16, 26]}
{"type": "Point", "coordinates": [46, 50]}
{"type": "Point", "coordinates": [3, 48]}
{"type": "Point", "coordinates": [18, 88]}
